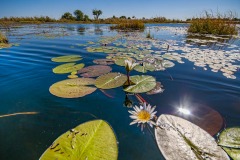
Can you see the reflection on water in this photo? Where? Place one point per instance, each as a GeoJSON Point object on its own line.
{"type": "Point", "coordinates": [26, 75]}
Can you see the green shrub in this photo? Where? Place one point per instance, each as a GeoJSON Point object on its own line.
{"type": "Point", "coordinates": [129, 25]}
{"type": "Point", "coordinates": [3, 39]}
{"type": "Point", "coordinates": [209, 24]}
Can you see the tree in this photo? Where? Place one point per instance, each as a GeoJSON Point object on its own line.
{"type": "Point", "coordinates": [79, 15]}
{"type": "Point", "coordinates": [123, 17]}
{"type": "Point", "coordinates": [86, 18]}
{"type": "Point", "coordinates": [96, 13]}
{"type": "Point", "coordinates": [67, 16]}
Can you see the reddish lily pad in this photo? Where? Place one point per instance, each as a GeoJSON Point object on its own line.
{"type": "Point", "coordinates": [94, 71]}
{"type": "Point", "coordinates": [103, 61]}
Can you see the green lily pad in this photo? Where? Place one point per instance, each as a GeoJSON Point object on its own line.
{"type": "Point", "coordinates": [69, 58]}
{"type": "Point", "coordinates": [93, 140]}
{"type": "Point", "coordinates": [140, 68]}
{"type": "Point", "coordinates": [111, 80]}
{"type": "Point", "coordinates": [141, 84]}
{"type": "Point", "coordinates": [67, 68]}
{"type": "Point", "coordinates": [149, 66]}
{"type": "Point", "coordinates": [94, 71]}
{"type": "Point", "coordinates": [230, 137]}
{"type": "Point", "coordinates": [180, 139]}
{"type": "Point", "coordinates": [157, 89]}
{"type": "Point", "coordinates": [73, 88]}
{"type": "Point", "coordinates": [233, 153]}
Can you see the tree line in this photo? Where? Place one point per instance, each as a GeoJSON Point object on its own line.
{"type": "Point", "coordinates": [80, 16]}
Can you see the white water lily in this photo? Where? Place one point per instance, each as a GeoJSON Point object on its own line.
{"type": "Point", "coordinates": [143, 114]}
{"type": "Point", "coordinates": [130, 64]}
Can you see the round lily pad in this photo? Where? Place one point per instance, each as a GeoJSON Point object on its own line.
{"type": "Point", "coordinates": [94, 71]}
{"type": "Point", "coordinates": [92, 140]}
{"type": "Point", "coordinates": [73, 88]}
{"type": "Point", "coordinates": [230, 137]}
{"type": "Point", "coordinates": [180, 139]}
{"type": "Point", "coordinates": [69, 58]}
{"type": "Point", "coordinates": [141, 84]}
{"type": "Point", "coordinates": [103, 61]}
{"type": "Point", "coordinates": [111, 80]}
{"type": "Point", "coordinates": [67, 68]}
{"type": "Point", "coordinates": [234, 153]}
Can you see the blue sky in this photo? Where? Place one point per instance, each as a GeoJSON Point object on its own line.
{"type": "Point", "coordinates": [180, 9]}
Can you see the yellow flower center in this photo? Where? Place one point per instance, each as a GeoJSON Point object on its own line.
{"type": "Point", "coordinates": [143, 115]}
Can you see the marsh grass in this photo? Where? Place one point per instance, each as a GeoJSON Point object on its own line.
{"type": "Point", "coordinates": [210, 24]}
{"type": "Point", "coordinates": [4, 41]}
{"type": "Point", "coordinates": [129, 25]}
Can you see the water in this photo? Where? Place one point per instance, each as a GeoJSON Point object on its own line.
{"type": "Point", "coordinates": [26, 75]}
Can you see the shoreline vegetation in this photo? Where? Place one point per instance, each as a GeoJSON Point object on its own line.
{"type": "Point", "coordinates": [207, 24]}
{"type": "Point", "coordinates": [214, 24]}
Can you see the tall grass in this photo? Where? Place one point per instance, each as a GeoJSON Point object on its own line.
{"type": "Point", "coordinates": [3, 39]}
{"type": "Point", "coordinates": [129, 25]}
{"type": "Point", "coordinates": [210, 24]}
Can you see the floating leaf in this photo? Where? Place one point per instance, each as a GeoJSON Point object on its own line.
{"type": "Point", "coordinates": [233, 153]}
{"type": "Point", "coordinates": [180, 139]}
{"type": "Point", "coordinates": [94, 71]}
{"type": "Point", "coordinates": [93, 140]}
{"type": "Point", "coordinates": [110, 80]}
{"type": "Point", "coordinates": [230, 137]}
{"type": "Point", "coordinates": [72, 76]}
{"type": "Point", "coordinates": [141, 84]}
{"type": "Point", "coordinates": [69, 58]}
{"type": "Point", "coordinates": [140, 68]}
{"type": "Point", "coordinates": [67, 68]}
{"type": "Point", "coordinates": [157, 89]}
{"type": "Point", "coordinates": [103, 61]}
{"type": "Point", "coordinates": [73, 88]}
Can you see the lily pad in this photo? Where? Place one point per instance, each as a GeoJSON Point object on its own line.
{"type": "Point", "coordinates": [111, 80]}
{"type": "Point", "coordinates": [180, 139]}
{"type": "Point", "coordinates": [230, 137]}
{"type": "Point", "coordinates": [233, 153]}
{"type": "Point", "coordinates": [73, 88]}
{"type": "Point", "coordinates": [94, 71]}
{"type": "Point", "coordinates": [157, 89]}
{"type": "Point", "coordinates": [141, 84]}
{"type": "Point", "coordinates": [93, 140]}
{"type": "Point", "coordinates": [67, 68]}
{"type": "Point", "coordinates": [69, 58]}
{"type": "Point", "coordinates": [140, 68]}
{"type": "Point", "coordinates": [103, 61]}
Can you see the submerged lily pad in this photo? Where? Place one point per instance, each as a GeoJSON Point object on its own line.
{"type": "Point", "coordinates": [180, 139]}
{"type": "Point", "coordinates": [103, 61]}
{"type": "Point", "coordinates": [111, 80]}
{"type": "Point", "coordinates": [94, 71]}
{"type": "Point", "coordinates": [69, 58]}
{"type": "Point", "coordinates": [233, 153]}
{"type": "Point", "coordinates": [73, 88]}
{"type": "Point", "coordinates": [141, 84]}
{"type": "Point", "coordinates": [67, 68]}
{"type": "Point", "coordinates": [93, 140]}
{"type": "Point", "coordinates": [230, 137]}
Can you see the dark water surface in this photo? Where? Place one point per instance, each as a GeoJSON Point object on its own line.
{"type": "Point", "coordinates": [26, 75]}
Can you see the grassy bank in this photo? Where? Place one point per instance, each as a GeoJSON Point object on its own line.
{"type": "Point", "coordinates": [210, 24]}
{"type": "Point", "coordinates": [129, 25]}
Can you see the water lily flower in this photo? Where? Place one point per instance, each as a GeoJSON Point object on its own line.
{"type": "Point", "coordinates": [130, 64]}
{"type": "Point", "coordinates": [143, 114]}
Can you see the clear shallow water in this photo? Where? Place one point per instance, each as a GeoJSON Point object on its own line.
{"type": "Point", "coordinates": [26, 75]}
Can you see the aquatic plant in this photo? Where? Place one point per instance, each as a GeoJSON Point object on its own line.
{"type": "Point", "coordinates": [144, 114]}
{"type": "Point", "coordinates": [90, 140]}
{"type": "Point", "coordinates": [129, 65]}
{"type": "Point", "coordinates": [180, 139]}
{"type": "Point", "coordinates": [210, 24]}
{"type": "Point", "coordinates": [4, 41]}
{"type": "Point", "coordinates": [129, 25]}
